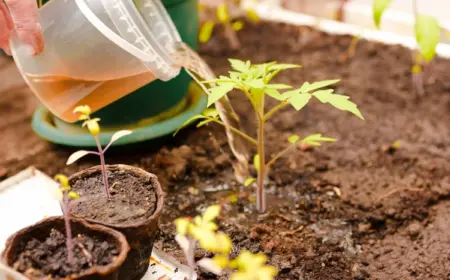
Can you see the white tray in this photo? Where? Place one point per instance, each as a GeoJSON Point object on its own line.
{"type": "Point", "coordinates": [27, 198]}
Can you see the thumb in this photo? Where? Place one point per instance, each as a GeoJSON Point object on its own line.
{"type": "Point", "coordinates": [25, 18]}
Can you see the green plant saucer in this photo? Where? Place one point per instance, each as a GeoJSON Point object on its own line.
{"type": "Point", "coordinates": [54, 130]}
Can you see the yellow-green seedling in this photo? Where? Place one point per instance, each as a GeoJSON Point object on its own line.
{"type": "Point", "coordinates": [427, 32]}
{"type": "Point", "coordinates": [254, 81]}
{"type": "Point", "coordinates": [65, 195]}
{"type": "Point", "coordinates": [202, 230]}
{"type": "Point", "coordinates": [227, 14]}
{"type": "Point", "coordinates": [93, 126]}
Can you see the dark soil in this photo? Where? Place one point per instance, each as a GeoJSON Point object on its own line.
{"type": "Point", "coordinates": [41, 258]}
{"type": "Point", "coordinates": [132, 200]}
{"type": "Point", "coordinates": [330, 217]}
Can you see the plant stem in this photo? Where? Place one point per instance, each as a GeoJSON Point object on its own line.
{"type": "Point", "coordinates": [260, 195]}
{"type": "Point", "coordinates": [69, 244]}
{"type": "Point", "coordinates": [237, 131]}
{"type": "Point", "coordinates": [190, 257]}
{"type": "Point", "coordinates": [280, 154]}
{"type": "Point", "coordinates": [102, 163]}
{"type": "Point", "coordinates": [275, 109]}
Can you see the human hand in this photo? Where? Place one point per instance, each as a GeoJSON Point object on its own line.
{"type": "Point", "coordinates": [22, 17]}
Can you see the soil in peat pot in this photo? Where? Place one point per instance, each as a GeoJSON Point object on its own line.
{"type": "Point", "coordinates": [41, 258]}
{"type": "Point", "coordinates": [329, 216]}
{"type": "Point", "coordinates": [133, 198]}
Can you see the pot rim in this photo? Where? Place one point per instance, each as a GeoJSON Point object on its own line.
{"type": "Point", "coordinates": [160, 195]}
{"type": "Point", "coordinates": [96, 269]}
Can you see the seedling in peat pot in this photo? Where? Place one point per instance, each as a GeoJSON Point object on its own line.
{"type": "Point", "coordinates": [226, 14]}
{"type": "Point", "coordinates": [203, 231]}
{"type": "Point", "coordinates": [254, 82]}
{"type": "Point", "coordinates": [94, 129]}
{"type": "Point", "coordinates": [428, 35]}
{"type": "Point", "coordinates": [65, 196]}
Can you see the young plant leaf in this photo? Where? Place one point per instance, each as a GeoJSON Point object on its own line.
{"type": "Point", "coordinates": [281, 66]}
{"type": "Point", "coordinates": [206, 31]}
{"type": "Point", "coordinates": [239, 65]}
{"type": "Point", "coordinates": [252, 15]}
{"type": "Point", "coordinates": [76, 156]}
{"type": "Point", "coordinates": [237, 25]}
{"type": "Point", "coordinates": [293, 139]}
{"type": "Point", "coordinates": [278, 86]}
{"type": "Point", "coordinates": [274, 94]}
{"type": "Point", "coordinates": [256, 162]}
{"type": "Point", "coordinates": [307, 87]}
{"type": "Point", "coordinates": [222, 13]}
{"type": "Point", "coordinates": [379, 6]}
{"type": "Point", "coordinates": [338, 101]}
{"type": "Point", "coordinates": [73, 195]}
{"type": "Point", "coordinates": [188, 122]}
{"type": "Point", "coordinates": [299, 101]}
{"type": "Point", "coordinates": [210, 266]}
{"type": "Point", "coordinates": [216, 93]}
{"type": "Point", "coordinates": [428, 35]}
{"type": "Point", "coordinates": [210, 112]}
{"type": "Point", "coordinates": [256, 83]}
{"type": "Point", "coordinates": [119, 134]}
{"type": "Point", "coordinates": [249, 181]}
{"type": "Point", "coordinates": [315, 139]}
{"type": "Point", "coordinates": [211, 213]}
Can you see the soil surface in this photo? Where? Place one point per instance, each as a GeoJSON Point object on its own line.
{"type": "Point", "coordinates": [42, 258]}
{"type": "Point", "coordinates": [359, 208]}
{"type": "Point", "coordinates": [132, 198]}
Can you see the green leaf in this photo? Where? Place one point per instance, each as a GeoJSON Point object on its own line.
{"type": "Point", "coordinates": [239, 65]}
{"type": "Point", "coordinates": [206, 31]}
{"type": "Point", "coordinates": [315, 139]}
{"type": "Point", "coordinates": [189, 121]}
{"type": "Point", "coordinates": [249, 181]}
{"type": "Point", "coordinates": [307, 87]}
{"type": "Point", "coordinates": [428, 35]}
{"type": "Point", "coordinates": [256, 162]}
{"type": "Point", "coordinates": [281, 67]}
{"type": "Point", "coordinates": [210, 112]}
{"type": "Point", "coordinates": [274, 93]}
{"type": "Point", "coordinates": [73, 195]}
{"type": "Point", "coordinates": [379, 6]}
{"type": "Point", "coordinates": [300, 100]}
{"type": "Point", "coordinates": [256, 83]}
{"type": "Point", "coordinates": [341, 102]}
{"type": "Point", "coordinates": [216, 93]}
{"type": "Point", "coordinates": [278, 86]}
{"type": "Point", "coordinates": [293, 138]}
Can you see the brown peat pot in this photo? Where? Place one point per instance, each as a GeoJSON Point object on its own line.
{"type": "Point", "coordinates": [39, 251]}
{"type": "Point", "coordinates": [134, 207]}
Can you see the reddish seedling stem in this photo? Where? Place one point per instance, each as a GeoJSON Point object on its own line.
{"type": "Point", "coordinates": [66, 209]}
{"type": "Point", "coordinates": [102, 163]}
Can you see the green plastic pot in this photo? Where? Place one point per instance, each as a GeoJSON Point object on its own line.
{"type": "Point", "coordinates": [155, 101]}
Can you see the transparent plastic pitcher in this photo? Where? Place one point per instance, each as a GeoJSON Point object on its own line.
{"type": "Point", "coordinates": [97, 51]}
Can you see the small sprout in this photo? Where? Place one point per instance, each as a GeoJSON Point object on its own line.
{"type": "Point", "coordinates": [65, 195]}
{"type": "Point", "coordinates": [233, 198]}
{"type": "Point", "coordinates": [392, 148]}
{"type": "Point", "coordinates": [249, 181]}
{"type": "Point", "coordinates": [252, 266]}
{"type": "Point", "coordinates": [254, 81]}
{"type": "Point", "coordinates": [94, 128]}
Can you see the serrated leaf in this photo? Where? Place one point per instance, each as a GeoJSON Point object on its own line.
{"type": "Point", "coordinates": [428, 35]}
{"type": "Point", "coordinates": [206, 31]}
{"type": "Point", "coordinates": [188, 122]}
{"type": "Point", "coordinates": [249, 181]}
{"type": "Point", "coordinates": [338, 101]}
{"type": "Point", "coordinates": [76, 156]}
{"type": "Point", "coordinates": [293, 139]}
{"type": "Point", "coordinates": [256, 162]}
{"type": "Point", "coordinates": [257, 83]}
{"type": "Point", "coordinates": [119, 134]}
{"type": "Point", "coordinates": [283, 66]}
{"type": "Point", "coordinates": [274, 93]}
{"type": "Point", "coordinates": [379, 6]}
{"type": "Point", "coordinates": [278, 86]}
{"type": "Point", "coordinates": [315, 139]}
{"type": "Point", "coordinates": [299, 101]}
{"type": "Point", "coordinates": [307, 87]}
{"type": "Point", "coordinates": [239, 65]}
{"type": "Point", "coordinates": [216, 93]}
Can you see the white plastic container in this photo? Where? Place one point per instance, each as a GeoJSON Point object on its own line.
{"type": "Point", "coordinates": [97, 51]}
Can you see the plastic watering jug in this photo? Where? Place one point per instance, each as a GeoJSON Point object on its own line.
{"type": "Point", "coordinates": [97, 51]}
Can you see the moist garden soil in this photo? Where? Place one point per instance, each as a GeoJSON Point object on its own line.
{"type": "Point", "coordinates": [329, 214]}
{"type": "Point", "coordinates": [41, 258]}
{"type": "Point", "coordinates": [132, 198]}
